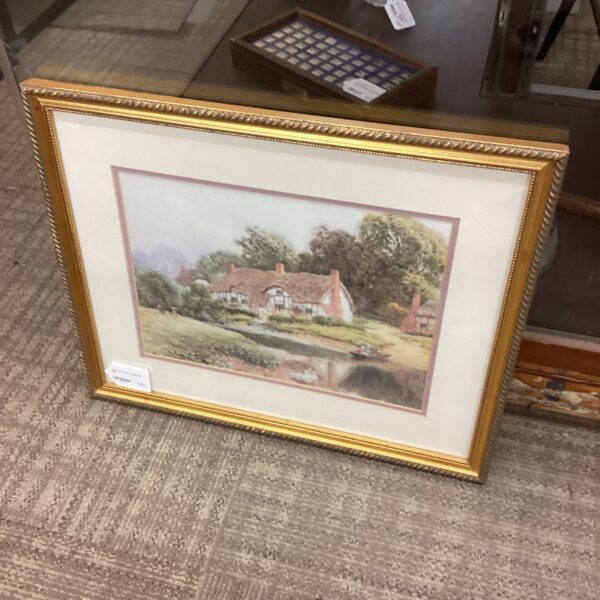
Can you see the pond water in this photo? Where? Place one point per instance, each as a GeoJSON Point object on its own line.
{"type": "Point", "coordinates": [336, 370]}
{"type": "Point", "coordinates": [282, 341]}
{"type": "Point", "coordinates": [373, 382]}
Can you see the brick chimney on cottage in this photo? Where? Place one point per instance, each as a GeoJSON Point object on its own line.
{"type": "Point", "coordinates": [279, 268]}
{"type": "Point", "coordinates": [409, 323]}
{"type": "Point", "coordinates": [416, 302]}
{"type": "Point", "coordinates": [230, 267]}
{"type": "Point", "coordinates": [336, 299]}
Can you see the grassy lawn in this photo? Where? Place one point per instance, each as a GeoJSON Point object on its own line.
{"type": "Point", "coordinates": [236, 320]}
{"type": "Point", "coordinates": [197, 341]}
{"type": "Point", "coordinates": [352, 335]}
{"type": "Point", "coordinates": [188, 339]}
{"type": "Point", "coordinates": [408, 350]}
{"type": "Point", "coordinates": [391, 334]}
{"type": "Point", "coordinates": [424, 342]}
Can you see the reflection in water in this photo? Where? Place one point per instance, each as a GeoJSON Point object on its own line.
{"type": "Point", "coordinates": [334, 369]}
{"type": "Point", "coordinates": [372, 382]}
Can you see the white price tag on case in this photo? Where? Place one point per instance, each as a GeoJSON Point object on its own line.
{"type": "Point", "coordinates": [399, 14]}
{"type": "Point", "coordinates": [363, 89]}
{"type": "Point", "coordinates": [129, 376]}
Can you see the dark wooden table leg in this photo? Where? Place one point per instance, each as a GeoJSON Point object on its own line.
{"type": "Point", "coordinates": [7, 30]}
{"type": "Point", "coordinates": [595, 82]}
{"type": "Point", "coordinates": [555, 27]}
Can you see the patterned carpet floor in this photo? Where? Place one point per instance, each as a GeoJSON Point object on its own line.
{"type": "Point", "coordinates": [135, 47]}
{"type": "Point", "coordinates": [149, 15]}
{"type": "Point", "coordinates": [99, 500]}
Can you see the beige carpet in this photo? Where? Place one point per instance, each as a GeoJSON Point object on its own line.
{"type": "Point", "coordinates": [104, 501]}
{"type": "Point", "coordinates": [151, 15]}
{"type": "Point", "coordinates": [159, 62]}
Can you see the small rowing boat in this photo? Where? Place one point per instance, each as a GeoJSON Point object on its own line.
{"type": "Point", "coordinates": [367, 352]}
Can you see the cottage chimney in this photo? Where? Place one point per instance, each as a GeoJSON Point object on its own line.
{"type": "Point", "coordinates": [279, 268]}
{"type": "Point", "coordinates": [336, 300]}
{"type": "Point", "coordinates": [230, 267]}
{"type": "Point", "coordinates": [416, 302]}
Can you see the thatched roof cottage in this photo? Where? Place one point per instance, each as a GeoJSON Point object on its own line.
{"type": "Point", "coordinates": [273, 291]}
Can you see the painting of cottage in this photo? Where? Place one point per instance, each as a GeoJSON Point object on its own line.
{"type": "Point", "coordinates": [313, 293]}
{"type": "Point", "coordinates": [277, 291]}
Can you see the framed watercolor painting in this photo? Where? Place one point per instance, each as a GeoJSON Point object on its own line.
{"type": "Point", "coordinates": [355, 285]}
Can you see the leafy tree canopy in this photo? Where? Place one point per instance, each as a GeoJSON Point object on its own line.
{"type": "Point", "coordinates": [406, 246]}
{"type": "Point", "coordinates": [155, 290]}
{"type": "Point", "coordinates": [391, 258]}
{"type": "Point", "coordinates": [414, 282]}
{"type": "Point", "coordinates": [261, 249]}
{"type": "Point", "coordinates": [197, 303]}
{"type": "Point", "coordinates": [214, 265]}
{"type": "Point", "coordinates": [362, 272]}
{"type": "Point", "coordinates": [329, 249]}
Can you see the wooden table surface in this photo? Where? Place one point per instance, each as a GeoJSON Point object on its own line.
{"type": "Point", "coordinates": [455, 36]}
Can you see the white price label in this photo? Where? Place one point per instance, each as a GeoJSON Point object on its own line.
{"type": "Point", "coordinates": [129, 376]}
{"type": "Point", "coordinates": [399, 14]}
{"type": "Point", "coordinates": [363, 89]}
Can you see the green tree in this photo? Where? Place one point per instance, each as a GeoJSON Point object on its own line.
{"type": "Point", "coordinates": [197, 303]}
{"type": "Point", "coordinates": [414, 255]}
{"type": "Point", "coordinates": [155, 290]}
{"type": "Point", "coordinates": [214, 265]}
{"type": "Point", "coordinates": [414, 282]}
{"type": "Point", "coordinates": [329, 249]}
{"type": "Point", "coordinates": [361, 270]}
{"type": "Point", "coordinates": [261, 249]}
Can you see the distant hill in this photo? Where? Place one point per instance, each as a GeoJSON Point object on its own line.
{"type": "Point", "coordinates": [164, 259]}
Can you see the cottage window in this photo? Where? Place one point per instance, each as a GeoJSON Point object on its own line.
{"type": "Point", "coordinates": [281, 299]}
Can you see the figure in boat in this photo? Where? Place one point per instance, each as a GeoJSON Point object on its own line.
{"type": "Point", "coordinates": [368, 352]}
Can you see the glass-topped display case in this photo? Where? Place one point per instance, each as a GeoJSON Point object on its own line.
{"type": "Point", "coordinates": [527, 69]}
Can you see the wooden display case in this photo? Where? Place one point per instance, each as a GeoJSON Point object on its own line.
{"type": "Point", "coordinates": [303, 50]}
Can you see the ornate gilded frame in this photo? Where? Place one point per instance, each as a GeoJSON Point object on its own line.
{"type": "Point", "coordinates": [545, 162]}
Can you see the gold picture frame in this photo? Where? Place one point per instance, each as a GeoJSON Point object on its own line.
{"type": "Point", "coordinates": [89, 140]}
